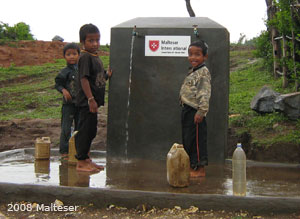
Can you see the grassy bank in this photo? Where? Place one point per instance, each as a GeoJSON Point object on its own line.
{"type": "Point", "coordinates": [28, 92]}
{"type": "Point", "coordinates": [248, 76]}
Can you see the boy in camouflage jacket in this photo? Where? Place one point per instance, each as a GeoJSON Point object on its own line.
{"type": "Point", "coordinates": [194, 97]}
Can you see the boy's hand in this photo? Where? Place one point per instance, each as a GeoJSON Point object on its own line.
{"type": "Point", "coordinates": [93, 106]}
{"type": "Point", "coordinates": [198, 119]}
{"type": "Point", "coordinates": [67, 95]}
{"type": "Point", "coordinates": [109, 72]}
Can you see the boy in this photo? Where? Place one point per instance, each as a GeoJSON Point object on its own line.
{"type": "Point", "coordinates": [65, 84]}
{"type": "Point", "coordinates": [91, 89]}
{"type": "Point", "coordinates": [194, 97]}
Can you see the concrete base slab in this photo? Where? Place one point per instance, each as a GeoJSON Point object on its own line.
{"type": "Point", "coordinates": [104, 197]}
{"type": "Point", "coordinates": [147, 185]}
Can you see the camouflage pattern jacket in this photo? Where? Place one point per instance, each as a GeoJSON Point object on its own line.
{"type": "Point", "coordinates": [196, 89]}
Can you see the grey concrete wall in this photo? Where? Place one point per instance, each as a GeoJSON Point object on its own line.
{"type": "Point", "coordinates": [154, 111]}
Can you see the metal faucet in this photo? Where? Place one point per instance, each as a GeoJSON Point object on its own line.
{"type": "Point", "coordinates": [134, 32]}
{"type": "Point", "coordinates": [196, 30]}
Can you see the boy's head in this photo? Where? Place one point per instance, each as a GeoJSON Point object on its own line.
{"type": "Point", "coordinates": [89, 36]}
{"type": "Point", "coordinates": [71, 53]}
{"type": "Point", "coordinates": [198, 53]}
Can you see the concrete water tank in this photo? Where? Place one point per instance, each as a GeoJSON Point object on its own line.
{"type": "Point", "coordinates": [149, 61]}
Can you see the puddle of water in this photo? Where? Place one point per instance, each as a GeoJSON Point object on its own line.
{"type": "Point", "coordinates": [24, 169]}
{"type": "Point", "coordinates": [148, 175]}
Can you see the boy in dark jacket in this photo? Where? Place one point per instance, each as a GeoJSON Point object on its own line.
{"type": "Point", "coordinates": [65, 84]}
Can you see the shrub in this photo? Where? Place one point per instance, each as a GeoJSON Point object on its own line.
{"type": "Point", "coordinates": [264, 49]}
{"type": "Point", "coordinates": [19, 31]}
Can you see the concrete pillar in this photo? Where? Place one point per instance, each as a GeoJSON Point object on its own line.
{"type": "Point", "coordinates": [149, 124]}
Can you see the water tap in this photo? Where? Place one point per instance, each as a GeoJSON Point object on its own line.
{"type": "Point", "coordinates": [196, 30]}
{"type": "Point", "coordinates": [134, 32]}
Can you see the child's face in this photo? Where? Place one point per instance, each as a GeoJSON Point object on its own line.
{"type": "Point", "coordinates": [71, 56]}
{"type": "Point", "coordinates": [92, 42]}
{"type": "Point", "coordinates": [196, 57]}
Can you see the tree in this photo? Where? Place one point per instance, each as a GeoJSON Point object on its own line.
{"type": "Point", "coordinates": [241, 38]}
{"type": "Point", "coordinates": [271, 12]}
{"type": "Point", "coordinates": [189, 8]}
{"type": "Point", "coordinates": [23, 31]}
{"type": "Point", "coordinates": [19, 31]}
{"type": "Point", "coordinates": [284, 28]}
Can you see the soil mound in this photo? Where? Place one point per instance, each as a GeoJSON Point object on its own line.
{"type": "Point", "coordinates": [34, 52]}
{"type": "Point", "coordinates": [30, 53]}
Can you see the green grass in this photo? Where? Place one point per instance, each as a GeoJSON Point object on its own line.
{"type": "Point", "coordinates": [28, 92]}
{"type": "Point", "coordinates": [245, 83]}
{"type": "Point", "coordinates": [240, 57]}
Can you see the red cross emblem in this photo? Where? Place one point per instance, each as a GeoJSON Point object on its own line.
{"type": "Point", "coordinates": [153, 45]}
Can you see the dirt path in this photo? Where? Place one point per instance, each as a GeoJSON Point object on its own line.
{"type": "Point", "coordinates": [141, 211]}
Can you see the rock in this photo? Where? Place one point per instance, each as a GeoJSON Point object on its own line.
{"type": "Point", "coordinates": [263, 102]}
{"type": "Point", "coordinates": [58, 38]}
{"type": "Point", "coordinates": [193, 210]}
{"type": "Point", "coordinates": [289, 104]}
{"type": "Point", "coordinates": [58, 202]}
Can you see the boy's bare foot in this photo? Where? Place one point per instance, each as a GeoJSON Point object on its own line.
{"type": "Point", "coordinates": [85, 166]}
{"type": "Point", "coordinates": [200, 172]}
{"type": "Point", "coordinates": [64, 157]}
{"type": "Point", "coordinates": [99, 167]}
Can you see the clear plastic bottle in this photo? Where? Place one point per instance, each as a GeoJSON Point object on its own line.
{"type": "Point", "coordinates": [239, 171]}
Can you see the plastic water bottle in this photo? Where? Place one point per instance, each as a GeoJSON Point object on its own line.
{"type": "Point", "coordinates": [239, 171]}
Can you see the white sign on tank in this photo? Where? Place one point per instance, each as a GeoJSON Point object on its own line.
{"type": "Point", "coordinates": [167, 45]}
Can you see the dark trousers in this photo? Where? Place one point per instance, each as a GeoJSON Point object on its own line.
{"type": "Point", "coordinates": [198, 157]}
{"type": "Point", "coordinates": [87, 130]}
{"type": "Point", "coordinates": [69, 113]}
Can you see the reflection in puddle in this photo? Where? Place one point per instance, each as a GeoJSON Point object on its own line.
{"type": "Point", "coordinates": [147, 175]}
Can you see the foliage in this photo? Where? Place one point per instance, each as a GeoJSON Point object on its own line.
{"type": "Point", "coordinates": [287, 21]}
{"type": "Point", "coordinates": [264, 49]}
{"type": "Point", "coordinates": [283, 18]}
{"type": "Point", "coordinates": [19, 31]}
{"type": "Point", "coordinates": [104, 48]}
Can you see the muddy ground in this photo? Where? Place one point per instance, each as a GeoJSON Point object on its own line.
{"type": "Point", "coordinates": [141, 211]}
{"type": "Point", "coordinates": [22, 133]}
{"type": "Point", "coordinates": [36, 52]}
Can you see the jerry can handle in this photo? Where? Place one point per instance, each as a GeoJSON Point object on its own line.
{"type": "Point", "coordinates": [74, 133]}
{"type": "Point", "coordinates": [46, 138]}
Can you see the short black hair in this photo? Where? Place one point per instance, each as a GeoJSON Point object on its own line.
{"type": "Point", "coordinates": [86, 29]}
{"type": "Point", "coordinates": [201, 44]}
{"type": "Point", "coordinates": [71, 46]}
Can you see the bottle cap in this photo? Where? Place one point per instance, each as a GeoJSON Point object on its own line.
{"type": "Point", "coordinates": [239, 145]}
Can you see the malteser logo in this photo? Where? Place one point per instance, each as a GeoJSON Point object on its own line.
{"type": "Point", "coordinates": [153, 45]}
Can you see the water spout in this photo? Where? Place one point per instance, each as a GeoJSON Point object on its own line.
{"type": "Point", "coordinates": [134, 32]}
{"type": "Point", "coordinates": [196, 33]}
